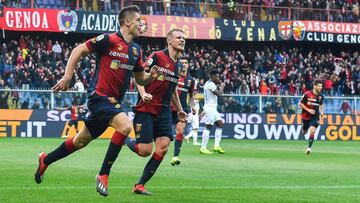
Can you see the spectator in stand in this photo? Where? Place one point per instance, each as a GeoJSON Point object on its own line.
{"type": "Point", "coordinates": [345, 107]}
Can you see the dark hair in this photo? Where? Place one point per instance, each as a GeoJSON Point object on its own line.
{"type": "Point", "coordinates": [213, 72]}
{"type": "Point", "coordinates": [123, 13]}
{"type": "Point", "coordinates": [316, 82]}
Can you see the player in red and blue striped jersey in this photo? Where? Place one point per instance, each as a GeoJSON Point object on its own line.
{"type": "Point", "coordinates": [118, 57]}
{"type": "Point", "coordinates": [185, 88]}
{"type": "Point", "coordinates": [152, 121]}
{"type": "Point", "coordinates": [312, 107]}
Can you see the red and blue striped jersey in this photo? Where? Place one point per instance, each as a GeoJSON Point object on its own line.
{"type": "Point", "coordinates": [163, 87]}
{"type": "Point", "coordinates": [115, 62]}
{"type": "Point", "coordinates": [185, 86]}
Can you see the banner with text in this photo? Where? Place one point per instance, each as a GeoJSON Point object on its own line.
{"type": "Point", "coordinates": [157, 26]}
{"type": "Point", "coordinates": [53, 123]}
{"type": "Point", "coordinates": [242, 30]}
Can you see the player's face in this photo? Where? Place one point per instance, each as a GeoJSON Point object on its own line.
{"type": "Point", "coordinates": [185, 66]}
{"type": "Point", "coordinates": [177, 41]}
{"type": "Point", "coordinates": [135, 24]}
{"type": "Point", "coordinates": [318, 88]}
{"type": "Point", "coordinates": [216, 78]}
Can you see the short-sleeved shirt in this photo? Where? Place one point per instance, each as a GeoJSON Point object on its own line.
{"type": "Point", "coordinates": [163, 87]}
{"type": "Point", "coordinates": [311, 101]}
{"type": "Point", "coordinates": [116, 60]}
{"type": "Point", "coordinates": [210, 99]}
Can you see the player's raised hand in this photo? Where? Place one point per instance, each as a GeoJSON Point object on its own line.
{"type": "Point", "coordinates": [154, 72]}
{"type": "Point", "coordinates": [63, 84]}
{"type": "Point", "coordinates": [182, 116]}
{"type": "Point", "coordinates": [312, 111]}
{"type": "Point", "coordinates": [147, 97]}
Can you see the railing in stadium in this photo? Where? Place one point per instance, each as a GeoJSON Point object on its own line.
{"type": "Point", "coordinates": [235, 103]}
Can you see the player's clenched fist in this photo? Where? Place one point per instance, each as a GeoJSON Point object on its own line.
{"type": "Point", "coordinates": [154, 72]}
{"type": "Point", "coordinates": [182, 116]}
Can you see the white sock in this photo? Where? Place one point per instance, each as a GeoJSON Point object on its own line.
{"type": "Point", "coordinates": [189, 135]}
{"type": "Point", "coordinates": [218, 134]}
{"type": "Point", "coordinates": [195, 135]}
{"type": "Point", "coordinates": [205, 138]}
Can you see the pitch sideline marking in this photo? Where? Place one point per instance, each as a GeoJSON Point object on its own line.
{"type": "Point", "coordinates": [194, 187]}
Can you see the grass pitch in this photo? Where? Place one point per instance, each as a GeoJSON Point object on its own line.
{"type": "Point", "coordinates": [250, 171]}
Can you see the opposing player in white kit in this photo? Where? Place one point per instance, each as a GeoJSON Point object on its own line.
{"type": "Point", "coordinates": [194, 121]}
{"type": "Point", "coordinates": [212, 89]}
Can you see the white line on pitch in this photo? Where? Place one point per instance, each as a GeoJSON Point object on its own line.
{"type": "Point", "coordinates": [193, 187]}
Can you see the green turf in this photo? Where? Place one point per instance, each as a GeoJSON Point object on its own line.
{"type": "Point", "coordinates": [250, 171]}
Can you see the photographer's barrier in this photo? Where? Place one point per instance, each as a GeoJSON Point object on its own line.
{"type": "Point", "coordinates": [53, 123]}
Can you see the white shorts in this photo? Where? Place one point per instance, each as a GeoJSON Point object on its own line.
{"type": "Point", "coordinates": [194, 120]}
{"type": "Point", "coordinates": [211, 116]}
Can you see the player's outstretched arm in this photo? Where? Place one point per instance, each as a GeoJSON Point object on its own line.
{"type": "Point", "coordinates": [321, 109]}
{"type": "Point", "coordinates": [74, 58]}
{"type": "Point", "coordinates": [143, 78]}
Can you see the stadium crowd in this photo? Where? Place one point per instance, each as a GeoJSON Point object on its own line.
{"type": "Point", "coordinates": [38, 63]}
{"type": "Point", "coordinates": [328, 10]}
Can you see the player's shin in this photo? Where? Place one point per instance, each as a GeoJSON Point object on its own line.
{"type": "Point", "coordinates": [205, 138]}
{"type": "Point", "coordinates": [218, 134]}
{"type": "Point", "coordinates": [178, 143]}
{"type": "Point", "coordinates": [112, 153]}
{"type": "Point", "coordinates": [150, 168]}
{"type": "Point", "coordinates": [66, 148]}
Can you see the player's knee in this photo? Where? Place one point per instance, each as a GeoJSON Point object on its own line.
{"type": "Point", "coordinates": [125, 130]}
{"type": "Point", "coordinates": [162, 150]}
{"type": "Point", "coordinates": [79, 144]}
{"type": "Point", "coordinates": [145, 151]}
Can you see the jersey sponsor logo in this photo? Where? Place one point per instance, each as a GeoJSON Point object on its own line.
{"type": "Point", "coordinates": [313, 103]}
{"type": "Point", "coordinates": [166, 71]}
{"type": "Point", "coordinates": [168, 78]}
{"type": "Point", "coordinates": [116, 64]}
{"type": "Point", "coordinates": [117, 54]}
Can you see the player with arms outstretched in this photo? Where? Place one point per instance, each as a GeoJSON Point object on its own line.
{"type": "Point", "coordinates": [117, 58]}
{"type": "Point", "coordinates": [311, 104]}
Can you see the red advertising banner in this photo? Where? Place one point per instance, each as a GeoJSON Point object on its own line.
{"type": "Point", "coordinates": [30, 20]}
{"type": "Point", "coordinates": [332, 27]}
{"type": "Point", "coordinates": [195, 28]}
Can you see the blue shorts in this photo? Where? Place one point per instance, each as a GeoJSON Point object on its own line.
{"type": "Point", "coordinates": [148, 126]}
{"type": "Point", "coordinates": [101, 110]}
{"type": "Point", "coordinates": [174, 117]}
{"type": "Point", "coordinates": [73, 122]}
{"type": "Point", "coordinates": [308, 123]}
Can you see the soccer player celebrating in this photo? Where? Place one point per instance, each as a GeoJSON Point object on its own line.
{"type": "Point", "coordinates": [118, 58]}
{"type": "Point", "coordinates": [212, 89]}
{"type": "Point", "coordinates": [152, 121]}
{"type": "Point", "coordinates": [184, 88]}
{"type": "Point", "coordinates": [311, 104]}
